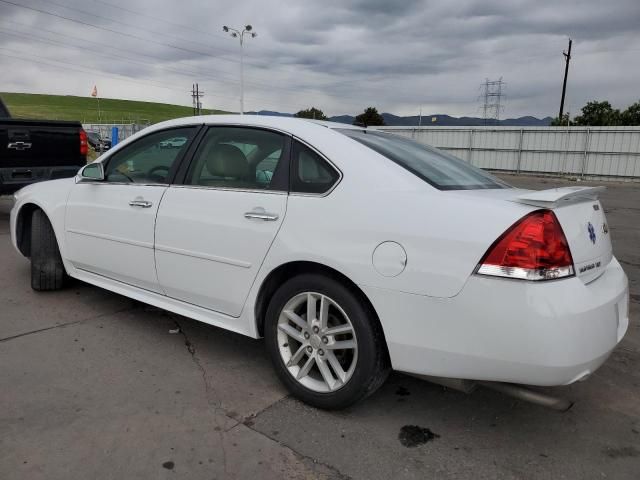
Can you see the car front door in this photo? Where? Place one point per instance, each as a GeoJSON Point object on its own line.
{"type": "Point", "coordinates": [214, 230]}
{"type": "Point", "coordinates": [109, 226]}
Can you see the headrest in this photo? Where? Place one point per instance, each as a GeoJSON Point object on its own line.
{"type": "Point", "coordinates": [225, 160]}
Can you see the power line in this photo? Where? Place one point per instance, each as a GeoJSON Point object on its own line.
{"type": "Point", "coordinates": [136, 61]}
{"type": "Point", "coordinates": [83, 69]}
{"type": "Point", "coordinates": [168, 22]}
{"type": "Point", "coordinates": [271, 87]}
{"type": "Point", "coordinates": [118, 32]}
{"type": "Point", "coordinates": [141, 80]}
{"type": "Point", "coordinates": [137, 27]}
{"type": "Point", "coordinates": [201, 72]}
{"type": "Point", "coordinates": [118, 57]}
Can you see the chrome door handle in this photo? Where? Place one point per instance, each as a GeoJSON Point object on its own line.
{"type": "Point", "coordinates": [260, 214]}
{"type": "Point", "coordinates": [138, 202]}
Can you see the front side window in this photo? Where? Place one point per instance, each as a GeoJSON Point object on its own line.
{"type": "Point", "coordinates": [237, 157]}
{"type": "Point", "coordinates": [150, 159]}
{"type": "Point", "coordinates": [438, 168]}
{"type": "Point", "coordinates": [310, 172]}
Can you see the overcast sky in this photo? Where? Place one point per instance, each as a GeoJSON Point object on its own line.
{"type": "Point", "coordinates": [339, 55]}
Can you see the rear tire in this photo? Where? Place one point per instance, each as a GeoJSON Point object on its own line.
{"type": "Point", "coordinates": [47, 269]}
{"type": "Point", "coordinates": [295, 344]}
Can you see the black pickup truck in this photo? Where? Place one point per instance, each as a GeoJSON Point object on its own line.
{"type": "Point", "coordinates": [36, 150]}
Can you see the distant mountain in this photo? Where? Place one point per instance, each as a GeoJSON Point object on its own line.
{"type": "Point", "coordinates": [447, 121]}
{"type": "Point", "coordinates": [270, 113]}
{"type": "Point", "coordinates": [428, 120]}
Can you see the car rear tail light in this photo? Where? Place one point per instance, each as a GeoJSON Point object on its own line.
{"type": "Point", "coordinates": [534, 248]}
{"type": "Point", "coordinates": [84, 146]}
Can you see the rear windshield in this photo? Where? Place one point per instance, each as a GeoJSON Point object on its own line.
{"type": "Point", "coordinates": [438, 168]}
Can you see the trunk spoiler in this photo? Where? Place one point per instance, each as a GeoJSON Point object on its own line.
{"type": "Point", "coordinates": [553, 197]}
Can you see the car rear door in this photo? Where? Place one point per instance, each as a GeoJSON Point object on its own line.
{"type": "Point", "coordinates": [214, 230]}
{"type": "Point", "coordinates": [109, 226]}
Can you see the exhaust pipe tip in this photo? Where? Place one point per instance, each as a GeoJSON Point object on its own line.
{"type": "Point", "coordinates": [528, 395]}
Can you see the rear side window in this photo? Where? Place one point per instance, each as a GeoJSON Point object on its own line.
{"type": "Point", "coordinates": [438, 168]}
{"type": "Point", "coordinates": [241, 158]}
{"type": "Point", "coordinates": [310, 172]}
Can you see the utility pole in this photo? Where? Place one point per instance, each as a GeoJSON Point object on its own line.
{"type": "Point", "coordinates": [567, 57]}
{"type": "Point", "coordinates": [196, 94]}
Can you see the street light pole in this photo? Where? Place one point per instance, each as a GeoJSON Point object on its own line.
{"type": "Point", "coordinates": [248, 29]}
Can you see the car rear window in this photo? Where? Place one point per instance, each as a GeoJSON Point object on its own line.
{"type": "Point", "coordinates": [438, 168]}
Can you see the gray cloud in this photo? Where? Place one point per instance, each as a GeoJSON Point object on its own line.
{"type": "Point", "coordinates": [338, 55]}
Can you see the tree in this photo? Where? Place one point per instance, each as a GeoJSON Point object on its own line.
{"type": "Point", "coordinates": [561, 122]}
{"type": "Point", "coordinates": [313, 113]}
{"type": "Point", "coordinates": [370, 117]}
{"type": "Point", "coordinates": [598, 114]}
{"type": "Point", "coordinates": [631, 116]}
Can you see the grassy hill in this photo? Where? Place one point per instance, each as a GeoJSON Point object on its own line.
{"type": "Point", "coordinates": [85, 109]}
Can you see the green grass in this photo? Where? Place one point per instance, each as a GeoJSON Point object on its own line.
{"type": "Point", "coordinates": [85, 109]}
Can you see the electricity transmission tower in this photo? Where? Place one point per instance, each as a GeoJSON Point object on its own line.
{"type": "Point", "coordinates": [492, 96]}
{"type": "Point", "coordinates": [196, 95]}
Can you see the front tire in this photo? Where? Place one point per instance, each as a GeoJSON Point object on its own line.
{"type": "Point", "coordinates": [47, 269]}
{"type": "Point", "coordinates": [325, 344]}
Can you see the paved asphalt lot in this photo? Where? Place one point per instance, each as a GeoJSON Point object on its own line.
{"type": "Point", "coordinates": [93, 386]}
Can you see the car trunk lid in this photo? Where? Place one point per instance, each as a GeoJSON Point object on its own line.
{"type": "Point", "coordinates": [584, 224]}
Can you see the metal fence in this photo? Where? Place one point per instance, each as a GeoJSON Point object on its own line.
{"type": "Point", "coordinates": [601, 152]}
{"type": "Point", "coordinates": [104, 129]}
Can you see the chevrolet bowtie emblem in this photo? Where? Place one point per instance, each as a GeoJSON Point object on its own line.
{"type": "Point", "coordinates": [19, 145]}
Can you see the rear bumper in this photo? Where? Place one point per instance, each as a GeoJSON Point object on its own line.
{"type": "Point", "coordinates": [13, 179]}
{"type": "Point", "coordinates": [549, 333]}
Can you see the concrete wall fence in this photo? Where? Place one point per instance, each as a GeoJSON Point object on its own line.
{"type": "Point", "coordinates": [594, 152]}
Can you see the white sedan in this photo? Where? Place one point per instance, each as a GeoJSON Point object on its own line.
{"type": "Point", "coordinates": [352, 251]}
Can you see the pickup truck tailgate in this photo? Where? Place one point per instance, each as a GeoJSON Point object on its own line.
{"type": "Point", "coordinates": [35, 143]}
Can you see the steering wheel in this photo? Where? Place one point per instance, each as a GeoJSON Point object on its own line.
{"type": "Point", "coordinates": [151, 174]}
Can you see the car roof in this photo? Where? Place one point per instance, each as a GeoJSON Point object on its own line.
{"type": "Point", "coordinates": [291, 124]}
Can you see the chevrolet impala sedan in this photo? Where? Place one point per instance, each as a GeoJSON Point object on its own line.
{"type": "Point", "coordinates": [351, 251]}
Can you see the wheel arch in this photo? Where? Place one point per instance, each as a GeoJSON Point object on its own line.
{"type": "Point", "coordinates": [23, 227]}
{"type": "Point", "coordinates": [280, 274]}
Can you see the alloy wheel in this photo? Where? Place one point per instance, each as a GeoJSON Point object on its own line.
{"type": "Point", "coordinates": [317, 342]}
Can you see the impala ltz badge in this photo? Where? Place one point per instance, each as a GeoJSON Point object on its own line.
{"type": "Point", "coordinates": [605, 228]}
{"type": "Point", "coordinates": [592, 233]}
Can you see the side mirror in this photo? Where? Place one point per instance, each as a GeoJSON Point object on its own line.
{"type": "Point", "coordinates": [92, 172]}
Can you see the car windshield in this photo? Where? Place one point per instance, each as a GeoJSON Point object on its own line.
{"type": "Point", "coordinates": [438, 168]}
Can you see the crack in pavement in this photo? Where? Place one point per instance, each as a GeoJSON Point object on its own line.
{"type": "Point", "coordinates": [218, 409]}
{"type": "Point", "coordinates": [209, 390]}
{"type": "Point", "coordinates": [248, 420]}
{"type": "Point", "coordinates": [62, 325]}
{"type": "Point", "coordinates": [315, 461]}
